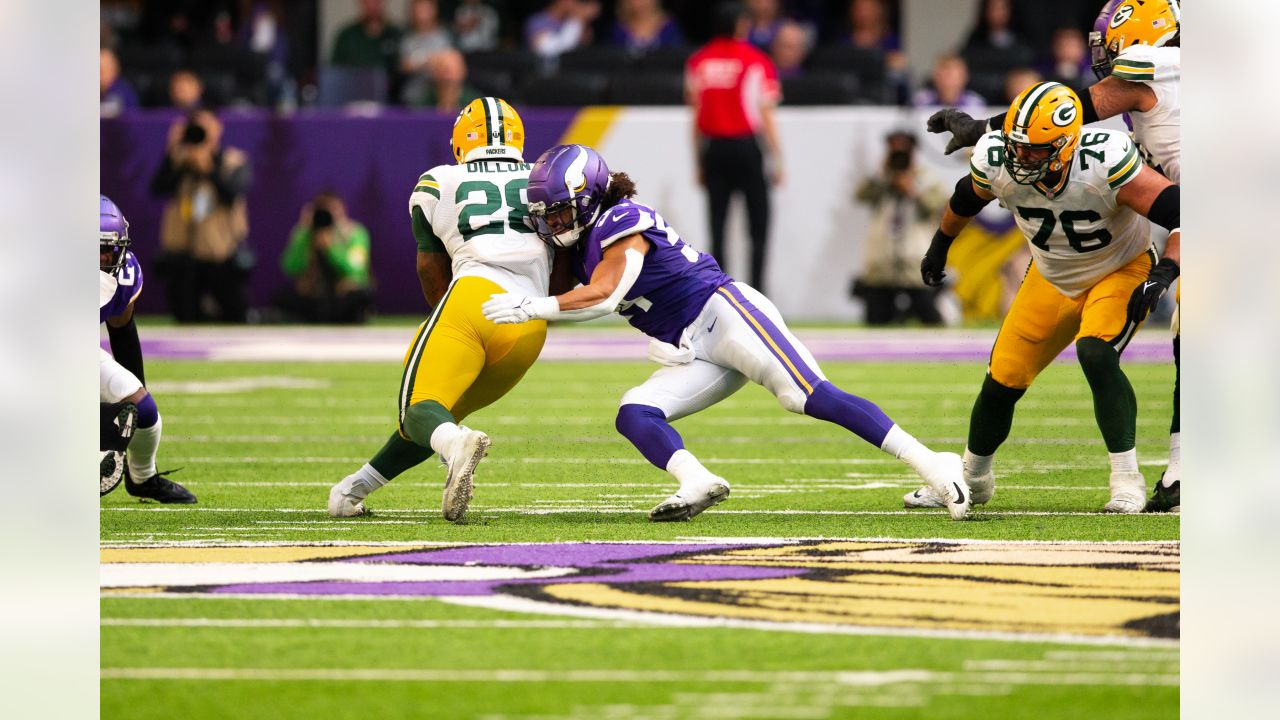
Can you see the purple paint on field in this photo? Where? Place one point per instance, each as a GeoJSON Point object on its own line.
{"type": "Point", "coordinates": [595, 562]}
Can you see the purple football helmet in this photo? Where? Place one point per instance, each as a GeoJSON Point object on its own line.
{"type": "Point", "coordinates": [1101, 59]}
{"type": "Point", "coordinates": [566, 186]}
{"type": "Point", "coordinates": [113, 237]}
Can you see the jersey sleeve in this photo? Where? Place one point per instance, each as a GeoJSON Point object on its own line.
{"type": "Point", "coordinates": [422, 206]}
{"type": "Point", "coordinates": [987, 160]}
{"type": "Point", "coordinates": [621, 221]}
{"type": "Point", "coordinates": [1122, 161]}
{"type": "Point", "coordinates": [1146, 64]}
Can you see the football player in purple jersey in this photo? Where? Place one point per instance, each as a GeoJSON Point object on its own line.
{"type": "Point", "coordinates": [711, 333]}
{"type": "Point", "coordinates": [120, 371]}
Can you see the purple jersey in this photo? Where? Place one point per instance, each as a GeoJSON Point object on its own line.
{"type": "Point", "coordinates": [676, 279]}
{"type": "Point", "coordinates": [117, 292]}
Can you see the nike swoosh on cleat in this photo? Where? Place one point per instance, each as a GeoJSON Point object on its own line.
{"type": "Point", "coordinates": [915, 494]}
{"type": "Point", "coordinates": [959, 494]}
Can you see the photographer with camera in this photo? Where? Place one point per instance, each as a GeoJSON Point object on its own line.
{"type": "Point", "coordinates": [204, 261]}
{"type": "Point", "coordinates": [905, 203]}
{"type": "Point", "coordinates": [328, 260]}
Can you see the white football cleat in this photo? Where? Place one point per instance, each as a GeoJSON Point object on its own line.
{"type": "Point", "coordinates": [679, 507]}
{"type": "Point", "coordinates": [1128, 493]}
{"type": "Point", "coordinates": [466, 453]}
{"type": "Point", "coordinates": [946, 479]}
{"type": "Point", "coordinates": [982, 488]}
{"type": "Point", "coordinates": [342, 504]}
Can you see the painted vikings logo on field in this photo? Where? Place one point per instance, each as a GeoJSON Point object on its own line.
{"type": "Point", "coordinates": [1080, 589]}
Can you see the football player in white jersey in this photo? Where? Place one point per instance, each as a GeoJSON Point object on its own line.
{"type": "Point", "coordinates": [468, 220]}
{"type": "Point", "coordinates": [1138, 58]}
{"type": "Point", "coordinates": [1079, 198]}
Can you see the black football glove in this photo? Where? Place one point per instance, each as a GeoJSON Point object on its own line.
{"type": "Point", "coordinates": [1146, 296]}
{"type": "Point", "coordinates": [933, 266]}
{"type": "Point", "coordinates": [965, 131]}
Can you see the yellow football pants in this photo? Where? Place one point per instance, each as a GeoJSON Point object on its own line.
{"type": "Point", "coordinates": [1042, 321]}
{"type": "Point", "coordinates": [461, 360]}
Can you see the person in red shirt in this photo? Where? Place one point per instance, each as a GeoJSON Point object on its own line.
{"type": "Point", "coordinates": [733, 88]}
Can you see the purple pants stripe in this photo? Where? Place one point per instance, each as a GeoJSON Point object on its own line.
{"type": "Point", "coordinates": [773, 338]}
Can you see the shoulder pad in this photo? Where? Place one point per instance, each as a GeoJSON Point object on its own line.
{"type": "Point", "coordinates": [1120, 161]}
{"type": "Point", "coordinates": [622, 220]}
{"type": "Point", "coordinates": [987, 160]}
{"type": "Point", "coordinates": [1143, 63]}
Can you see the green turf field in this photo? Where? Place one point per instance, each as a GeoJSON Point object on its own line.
{"type": "Point", "coordinates": [772, 605]}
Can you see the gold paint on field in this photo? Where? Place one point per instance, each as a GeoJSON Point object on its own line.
{"type": "Point", "coordinates": [1049, 589]}
{"type": "Point", "coordinates": [281, 554]}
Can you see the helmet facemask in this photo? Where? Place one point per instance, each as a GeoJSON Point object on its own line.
{"type": "Point", "coordinates": [115, 244]}
{"type": "Point", "coordinates": [558, 223]}
{"type": "Point", "coordinates": [1036, 161]}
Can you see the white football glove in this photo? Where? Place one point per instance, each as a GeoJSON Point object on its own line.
{"type": "Point", "coordinates": [514, 308]}
{"type": "Point", "coordinates": [670, 355]}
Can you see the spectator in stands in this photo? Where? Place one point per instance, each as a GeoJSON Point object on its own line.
{"type": "Point", "coordinates": [995, 27]}
{"type": "Point", "coordinates": [475, 26]}
{"type": "Point", "coordinates": [563, 26]}
{"type": "Point", "coordinates": [443, 85]}
{"type": "Point", "coordinates": [186, 92]}
{"type": "Point", "coordinates": [733, 88]}
{"type": "Point", "coordinates": [870, 30]}
{"type": "Point", "coordinates": [1017, 80]}
{"type": "Point", "coordinates": [262, 33]}
{"type": "Point", "coordinates": [425, 39]}
{"type": "Point", "coordinates": [327, 259]}
{"type": "Point", "coordinates": [115, 94]}
{"type": "Point", "coordinates": [905, 201]}
{"type": "Point", "coordinates": [204, 261]}
{"type": "Point", "coordinates": [1069, 61]}
{"type": "Point", "coordinates": [642, 25]}
{"type": "Point", "coordinates": [765, 19]}
{"type": "Point", "coordinates": [790, 48]}
{"type": "Point", "coordinates": [950, 81]}
{"type": "Point", "coordinates": [370, 41]}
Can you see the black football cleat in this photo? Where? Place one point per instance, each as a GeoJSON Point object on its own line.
{"type": "Point", "coordinates": [1165, 499]}
{"type": "Point", "coordinates": [159, 488]}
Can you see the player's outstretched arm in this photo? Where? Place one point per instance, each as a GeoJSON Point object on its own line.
{"type": "Point", "coordinates": [1152, 195]}
{"type": "Point", "coordinates": [967, 201]}
{"type": "Point", "coordinates": [617, 271]}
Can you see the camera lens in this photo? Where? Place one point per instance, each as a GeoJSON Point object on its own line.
{"type": "Point", "coordinates": [193, 134]}
{"type": "Point", "coordinates": [321, 219]}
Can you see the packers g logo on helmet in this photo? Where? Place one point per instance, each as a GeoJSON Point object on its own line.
{"type": "Point", "coordinates": [488, 128]}
{"type": "Point", "coordinates": [1041, 131]}
{"type": "Point", "coordinates": [1143, 22]}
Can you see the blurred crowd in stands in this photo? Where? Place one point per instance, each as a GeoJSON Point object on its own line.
{"type": "Point", "coordinates": [443, 53]}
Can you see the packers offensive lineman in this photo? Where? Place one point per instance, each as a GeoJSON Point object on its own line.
{"type": "Point", "coordinates": [1079, 198]}
{"type": "Point", "coordinates": [1137, 58]}
{"type": "Point", "coordinates": [469, 223]}
{"type": "Point", "coordinates": [710, 332]}
{"type": "Point", "coordinates": [122, 394]}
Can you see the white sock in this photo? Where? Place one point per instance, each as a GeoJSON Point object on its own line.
{"type": "Point", "coordinates": [443, 437]}
{"type": "Point", "coordinates": [1174, 472]}
{"type": "Point", "coordinates": [1124, 462]}
{"type": "Point", "coordinates": [690, 473]}
{"type": "Point", "coordinates": [976, 465]}
{"type": "Point", "coordinates": [362, 482]}
{"type": "Point", "coordinates": [900, 444]}
{"type": "Point", "coordinates": [142, 452]}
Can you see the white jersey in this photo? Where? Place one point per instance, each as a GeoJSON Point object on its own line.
{"type": "Point", "coordinates": [476, 213]}
{"type": "Point", "coordinates": [1158, 130]}
{"type": "Point", "coordinates": [1080, 234]}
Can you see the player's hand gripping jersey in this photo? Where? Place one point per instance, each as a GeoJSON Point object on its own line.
{"type": "Point", "coordinates": [476, 212]}
{"type": "Point", "coordinates": [676, 279]}
{"type": "Point", "coordinates": [1080, 234]}
{"type": "Point", "coordinates": [1157, 130]}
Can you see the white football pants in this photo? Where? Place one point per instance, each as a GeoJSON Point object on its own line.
{"type": "Point", "coordinates": [115, 383]}
{"type": "Point", "coordinates": [738, 336]}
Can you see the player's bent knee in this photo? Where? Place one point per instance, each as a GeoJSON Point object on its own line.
{"type": "Point", "coordinates": [148, 413]}
{"type": "Point", "coordinates": [633, 416]}
{"type": "Point", "coordinates": [793, 400]}
{"type": "Point", "coordinates": [1012, 373]}
{"type": "Point", "coordinates": [1096, 354]}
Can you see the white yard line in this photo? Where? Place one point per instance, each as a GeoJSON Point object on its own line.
{"type": "Point", "coordinates": [259, 623]}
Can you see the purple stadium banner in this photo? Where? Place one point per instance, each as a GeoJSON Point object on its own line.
{"type": "Point", "coordinates": [372, 161]}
